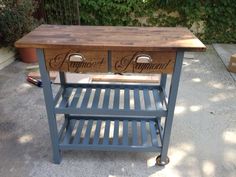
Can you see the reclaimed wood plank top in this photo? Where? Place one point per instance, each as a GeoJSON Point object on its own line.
{"type": "Point", "coordinates": [112, 38]}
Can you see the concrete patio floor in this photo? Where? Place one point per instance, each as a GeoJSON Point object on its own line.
{"type": "Point", "coordinates": [203, 140]}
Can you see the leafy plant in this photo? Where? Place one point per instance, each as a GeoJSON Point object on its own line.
{"type": "Point", "coordinates": [117, 12]}
{"type": "Point", "coordinates": [210, 20]}
{"type": "Point", "coordinates": [220, 23]}
{"type": "Point", "coordinates": [16, 19]}
{"type": "Point", "coordinates": [62, 12]}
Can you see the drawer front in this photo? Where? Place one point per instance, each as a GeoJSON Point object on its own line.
{"type": "Point", "coordinates": [143, 62]}
{"type": "Point", "coordinates": [72, 60]}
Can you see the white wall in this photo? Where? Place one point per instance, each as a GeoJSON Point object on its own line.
{"type": "Point", "coordinates": [7, 56]}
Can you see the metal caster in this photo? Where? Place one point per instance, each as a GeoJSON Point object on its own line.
{"type": "Point", "coordinates": [159, 163]}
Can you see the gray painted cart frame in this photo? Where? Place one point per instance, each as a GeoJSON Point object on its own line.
{"type": "Point", "coordinates": [141, 124]}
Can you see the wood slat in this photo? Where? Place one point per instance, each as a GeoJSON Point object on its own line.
{"type": "Point", "coordinates": [125, 133]}
{"type": "Point", "coordinates": [134, 133]}
{"type": "Point", "coordinates": [152, 100]}
{"type": "Point", "coordinates": [113, 85]}
{"type": "Point", "coordinates": [153, 133]}
{"type": "Point", "coordinates": [116, 100]}
{"type": "Point", "coordinates": [141, 100]}
{"type": "Point", "coordinates": [147, 100]}
{"type": "Point", "coordinates": [76, 139]}
{"type": "Point", "coordinates": [62, 130]}
{"type": "Point", "coordinates": [86, 98]}
{"type": "Point", "coordinates": [160, 129]}
{"type": "Point", "coordinates": [65, 98]}
{"type": "Point", "coordinates": [112, 38]}
{"type": "Point", "coordinates": [137, 105]}
{"type": "Point", "coordinates": [88, 132]}
{"type": "Point", "coordinates": [127, 99]}
{"type": "Point", "coordinates": [143, 133]}
{"type": "Point", "coordinates": [106, 98]}
{"type": "Point", "coordinates": [106, 133]}
{"type": "Point", "coordinates": [58, 95]}
{"type": "Point", "coordinates": [157, 99]}
{"type": "Point", "coordinates": [116, 133]}
{"type": "Point", "coordinates": [96, 98]}
{"type": "Point", "coordinates": [76, 97]}
{"type": "Point", "coordinates": [97, 132]}
{"type": "Point", "coordinates": [69, 130]}
{"type": "Point", "coordinates": [111, 148]}
{"type": "Point", "coordinates": [91, 98]}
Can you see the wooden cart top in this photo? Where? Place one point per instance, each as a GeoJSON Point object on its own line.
{"type": "Point", "coordinates": [112, 38]}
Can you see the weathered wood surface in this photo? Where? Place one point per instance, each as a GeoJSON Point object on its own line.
{"type": "Point", "coordinates": [126, 62]}
{"type": "Point", "coordinates": [112, 38]}
{"type": "Point", "coordinates": [61, 60]}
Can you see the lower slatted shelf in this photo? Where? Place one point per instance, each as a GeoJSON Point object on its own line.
{"type": "Point", "coordinates": [115, 100]}
{"type": "Point", "coordinates": [111, 134]}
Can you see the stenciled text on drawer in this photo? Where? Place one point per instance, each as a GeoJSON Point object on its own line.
{"type": "Point", "coordinates": [71, 60]}
{"type": "Point", "coordinates": [143, 62]}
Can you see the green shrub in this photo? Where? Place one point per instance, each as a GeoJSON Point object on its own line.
{"type": "Point", "coordinates": [16, 19]}
{"type": "Point", "coordinates": [117, 12]}
{"type": "Point", "coordinates": [64, 12]}
{"type": "Point", "coordinates": [220, 21]}
{"type": "Point", "coordinates": [210, 20]}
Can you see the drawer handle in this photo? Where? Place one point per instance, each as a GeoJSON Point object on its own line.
{"type": "Point", "coordinates": [143, 58]}
{"type": "Point", "coordinates": [76, 57]}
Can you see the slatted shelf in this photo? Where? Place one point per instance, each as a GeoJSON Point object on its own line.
{"type": "Point", "coordinates": [108, 99]}
{"type": "Point", "coordinates": [110, 134]}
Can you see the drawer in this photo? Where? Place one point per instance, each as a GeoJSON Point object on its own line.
{"type": "Point", "coordinates": [143, 62]}
{"type": "Point", "coordinates": [72, 60]}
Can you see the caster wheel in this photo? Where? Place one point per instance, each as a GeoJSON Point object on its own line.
{"type": "Point", "coordinates": [159, 163]}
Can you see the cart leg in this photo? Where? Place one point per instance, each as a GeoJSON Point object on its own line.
{"type": "Point", "coordinates": [62, 78]}
{"type": "Point", "coordinates": [163, 159]}
{"type": "Point", "coordinates": [63, 84]}
{"type": "Point", "coordinates": [48, 96]}
{"type": "Point", "coordinates": [163, 81]}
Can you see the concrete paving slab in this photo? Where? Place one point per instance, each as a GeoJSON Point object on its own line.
{"type": "Point", "coordinates": [203, 140]}
{"type": "Point", "coordinates": [225, 51]}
